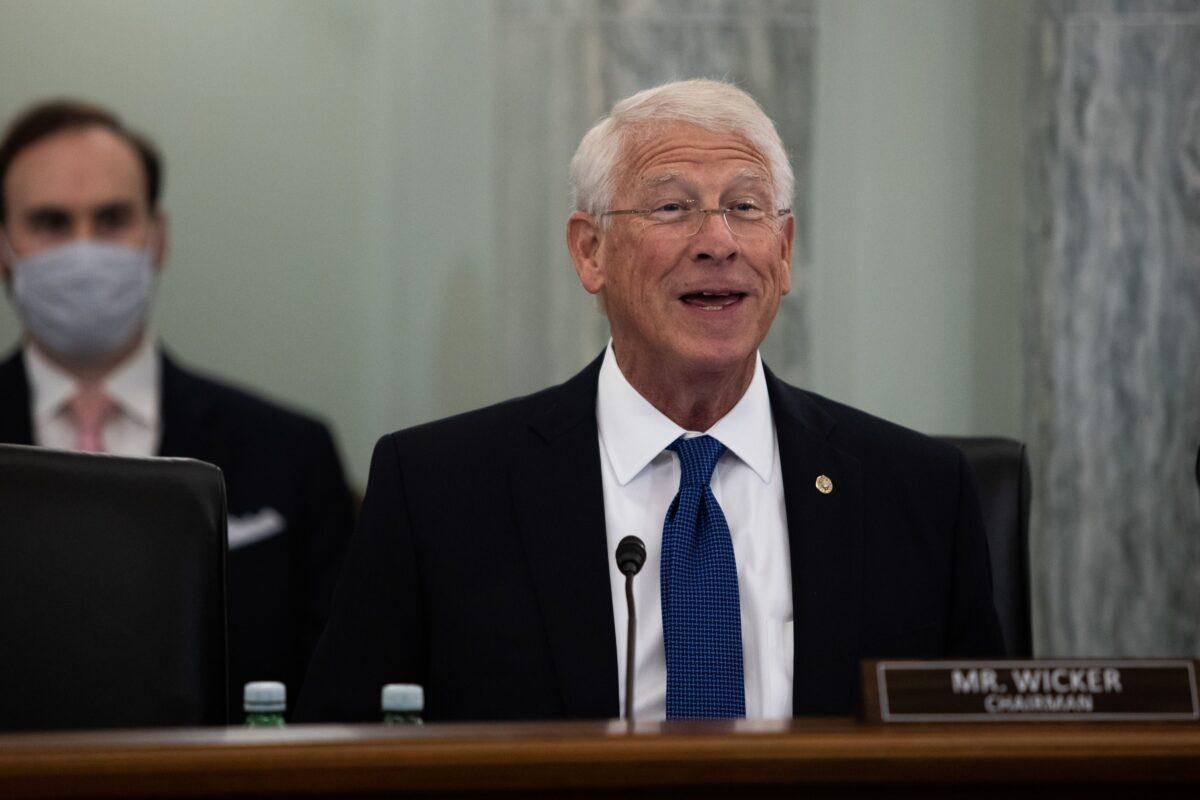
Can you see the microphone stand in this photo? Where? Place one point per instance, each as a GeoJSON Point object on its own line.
{"type": "Point", "coordinates": [631, 555]}
{"type": "Point", "coordinates": [630, 640]}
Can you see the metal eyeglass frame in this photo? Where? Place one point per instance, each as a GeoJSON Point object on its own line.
{"type": "Point", "coordinates": [701, 214]}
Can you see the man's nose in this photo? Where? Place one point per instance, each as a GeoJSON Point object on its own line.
{"type": "Point", "coordinates": [714, 241]}
{"type": "Point", "coordinates": [81, 229]}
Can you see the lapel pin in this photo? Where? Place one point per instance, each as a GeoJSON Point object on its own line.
{"type": "Point", "coordinates": [824, 485]}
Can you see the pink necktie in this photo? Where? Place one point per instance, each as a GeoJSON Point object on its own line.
{"type": "Point", "coordinates": [91, 408]}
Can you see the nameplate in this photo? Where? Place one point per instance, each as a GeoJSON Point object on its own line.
{"type": "Point", "coordinates": [1029, 690]}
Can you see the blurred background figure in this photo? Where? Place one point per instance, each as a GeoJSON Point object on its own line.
{"type": "Point", "coordinates": [83, 240]}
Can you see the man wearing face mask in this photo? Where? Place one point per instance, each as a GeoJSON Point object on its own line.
{"type": "Point", "coordinates": [82, 243]}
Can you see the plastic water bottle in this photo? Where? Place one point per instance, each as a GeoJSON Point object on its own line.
{"type": "Point", "coordinates": [264, 703]}
{"type": "Point", "coordinates": [402, 704]}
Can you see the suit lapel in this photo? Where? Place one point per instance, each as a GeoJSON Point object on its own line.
{"type": "Point", "coordinates": [188, 417]}
{"type": "Point", "coordinates": [825, 532]}
{"type": "Point", "coordinates": [16, 415]}
{"type": "Point", "coordinates": [559, 504]}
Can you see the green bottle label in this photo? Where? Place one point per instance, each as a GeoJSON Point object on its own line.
{"type": "Point", "coordinates": [264, 720]}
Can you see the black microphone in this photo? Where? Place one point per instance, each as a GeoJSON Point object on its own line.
{"type": "Point", "coordinates": [631, 554]}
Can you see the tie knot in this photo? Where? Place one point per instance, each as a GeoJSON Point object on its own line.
{"type": "Point", "coordinates": [697, 458]}
{"type": "Point", "coordinates": [91, 408]}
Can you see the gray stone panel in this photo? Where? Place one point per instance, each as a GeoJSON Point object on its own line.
{"type": "Point", "coordinates": [1113, 327]}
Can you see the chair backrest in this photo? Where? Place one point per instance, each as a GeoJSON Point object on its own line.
{"type": "Point", "coordinates": [1002, 472]}
{"type": "Point", "coordinates": [112, 591]}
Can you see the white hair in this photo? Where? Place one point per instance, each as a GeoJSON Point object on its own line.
{"type": "Point", "coordinates": [715, 106]}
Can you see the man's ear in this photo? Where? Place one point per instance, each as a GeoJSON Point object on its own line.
{"type": "Point", "coordinates": [785, 254]}
{"type": "Point", "coordinates": [583, 242]}
{"type": "Point", "coordinates": [5, 249]}
{"type": "Point", "coordinates": [162, 238]}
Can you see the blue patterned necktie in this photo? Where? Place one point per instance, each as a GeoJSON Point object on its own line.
{"type": "Point", "coordinates": [702, 623]}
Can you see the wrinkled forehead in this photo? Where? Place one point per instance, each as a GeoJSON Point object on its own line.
{"type": "Point", "coordinates": [680, 153]}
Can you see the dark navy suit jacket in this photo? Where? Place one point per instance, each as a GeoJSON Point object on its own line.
{"type": "Point", "coordinates": [272, 458]}
{"type": "Point", "coordinates": [480, 566]}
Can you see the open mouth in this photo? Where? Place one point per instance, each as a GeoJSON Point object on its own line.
{"type": "Point", "coordinates": [717, 300]}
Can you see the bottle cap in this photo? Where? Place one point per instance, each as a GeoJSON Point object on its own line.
{"type": "Point", "coordinates": [403, 698]}
{"type": "Point", "coordinates": [264, 697]}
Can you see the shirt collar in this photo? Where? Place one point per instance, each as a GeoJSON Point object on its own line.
{"type": "Point", "coordinates": [633, 432]}
{"type": "Point", "coordinates": [749, 429]}
{"type": "Point", "coordinates": [50, 386]}
{"type": "Point", "coordinates": [133, 385]}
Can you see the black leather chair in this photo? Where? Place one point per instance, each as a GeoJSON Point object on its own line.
{"type": "Point", "coordinates": [1002, 472]}
{"type": "Point", "coordinates": [112, 591]}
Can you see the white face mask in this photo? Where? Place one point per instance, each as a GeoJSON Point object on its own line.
{"type": "Point", "coordinates": [83, 300]}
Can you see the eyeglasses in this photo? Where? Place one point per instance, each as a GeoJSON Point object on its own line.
{"type": "Point", "coordinates": [681, 219]}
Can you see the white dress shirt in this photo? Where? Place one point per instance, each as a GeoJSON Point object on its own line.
{"type": "Point", "coordinates": [133, 430]}
{"type": "Point", "coordinates": [641, 478]}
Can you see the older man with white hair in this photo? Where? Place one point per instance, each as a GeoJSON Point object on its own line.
{"type": "Point", "coordinates": [787, 536]}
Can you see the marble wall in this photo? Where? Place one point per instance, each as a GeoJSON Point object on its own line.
{"type": "Point", "coordinates": [1113, 327]}
{"type": "Point", "coordinates": [560, 67]}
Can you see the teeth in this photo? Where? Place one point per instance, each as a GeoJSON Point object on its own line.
{"type": "Point", "coordinates": [723, 300]}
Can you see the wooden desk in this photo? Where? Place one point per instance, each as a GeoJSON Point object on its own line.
{"type": "Point", "coordinates": [809, 758]}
